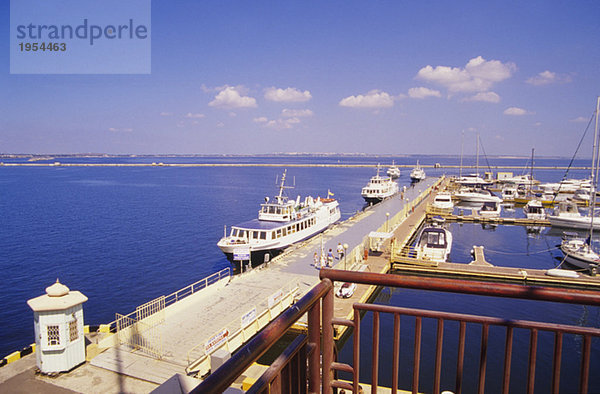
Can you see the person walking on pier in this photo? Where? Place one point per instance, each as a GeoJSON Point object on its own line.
{"type": "Point", "coordinates": [316, 260]}
{"type": "Point", "coordinates": [329, 258]}
{"type": "Point", "coordinates": [340, 251]}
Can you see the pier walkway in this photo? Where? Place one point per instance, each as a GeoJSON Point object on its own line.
{"type": "Point", "coordinates": [193, 322]}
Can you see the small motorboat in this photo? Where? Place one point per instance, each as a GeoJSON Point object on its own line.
{"type": "Point", "coordinates": [490, 209]}
{"type": "Point", "coordinates": [534, 209]}
{"type": "Point", "coordinates": [435, 243]}
{"type": "Point", "coordinates": [443, 200]}
{"type": "Point", "coordinates": [476, 195]}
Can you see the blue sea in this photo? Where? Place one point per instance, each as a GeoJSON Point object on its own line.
{"type": "Point", "coordinates": [126, 235]}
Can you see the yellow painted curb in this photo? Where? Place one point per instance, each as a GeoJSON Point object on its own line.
{"type": "Point", "coordinates": [247, 383]}
{"type": "Point", "coordinates": [14, 356]}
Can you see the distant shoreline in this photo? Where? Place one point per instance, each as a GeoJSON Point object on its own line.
{"type": "Point", "coordinates": [55, 156]}
{"type": "Point", "coordinates": [58, 164]}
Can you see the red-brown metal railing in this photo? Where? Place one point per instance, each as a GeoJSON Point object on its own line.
{"type": "Point", "coordinates": [301, 360]}
{"type": "Point", "coordinates": [224, 377]}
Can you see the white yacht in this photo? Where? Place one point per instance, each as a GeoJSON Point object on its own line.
{"type": "Point", "coordinates": [280, 223]}
{"type": "Point", "coordinates": [567, 215]}
{"type": "Point", "coordinates": [566, 186]}
{"type": "Point", "coordinates": [443, 200]}
{"type": "Point", "coordinates": [534, 209]}
{"type": "Point", "coordinates": [379, 188]}
{"type": "Point", "coordinates": [417, 174]}
{"type": "Point", "coordinates": [472, 180]}
{"type": "Point", "coordinates": [509, 192]}
{"type": "Point", "coordinates": [434, 243]}
{"type": "Point", "coordinates": [393, 171]}
{"type": "Point", "coordinates": [476, 195]}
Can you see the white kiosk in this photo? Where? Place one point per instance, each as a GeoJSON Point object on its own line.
{"type": "Point", "coordinates": [58, 322]}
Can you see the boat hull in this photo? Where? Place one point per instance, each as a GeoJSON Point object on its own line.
{"type": "Point", "coordinates": [575, 222]}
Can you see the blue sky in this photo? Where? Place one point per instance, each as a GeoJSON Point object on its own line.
{"type": "Point", "coordinates": [382, 77]}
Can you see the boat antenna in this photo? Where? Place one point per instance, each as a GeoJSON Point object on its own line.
{"type": "Point", "coordinates": [595, 158]}
{"type": "Point", "coordinates": [282, 187]}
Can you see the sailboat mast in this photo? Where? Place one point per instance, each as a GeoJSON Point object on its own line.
{"type": "Point", "coordinates": [594, 172]}
{"type": "Point", "coordinates": [531, 173]}
{"type": "Point", "coordinates": [477, 163]}
{"type": "Point", "coordinates": [462, 146]}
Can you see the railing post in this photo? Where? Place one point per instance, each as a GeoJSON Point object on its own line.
{"type": "Point", "coordinates": [327, 340]}
{"type": "Point", "coordinates": [356, 350]}
{"type": "Point", "coordinates": [314, 338]}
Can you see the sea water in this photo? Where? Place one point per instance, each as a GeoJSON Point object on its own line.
{"type": "Point", "coordinates": [126, 235]}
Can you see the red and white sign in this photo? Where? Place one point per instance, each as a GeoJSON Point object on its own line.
{"type": "Point", "coordinates": [215, 341]}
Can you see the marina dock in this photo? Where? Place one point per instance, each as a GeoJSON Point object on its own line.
{"type": "Point", "coordinates": [183, 335]}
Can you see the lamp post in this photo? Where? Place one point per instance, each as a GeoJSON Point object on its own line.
{"type": "Point", "coordinates": [387, 218]}
{"type": "Point", "coordinates": [345, 254]}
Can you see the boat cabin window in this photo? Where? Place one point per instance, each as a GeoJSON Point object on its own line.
{"type": "Point", "coordinates": [254, 234]}
{"type": "Point", "coordinates": [263, 235]}
{"type": "Point", "coordinates": [433, 239]}
{"type": "Point", "coordinates": [279, 233]}
{"type": "Point", "coordinates": [242, 234]}
{"type": "Point", "coordinates": [234, 232]}
{"type": "Point", "coordinates": [284, 231]}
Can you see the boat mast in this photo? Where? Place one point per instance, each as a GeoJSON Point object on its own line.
{"type": "Point", "coordinates": [462, 146]}
{"type": "Point", "coordinates": [531, 173]}
{"type": "Point", "coordinates": [477, 162]}
{"type": "Point", "coordinates": [594, 172]}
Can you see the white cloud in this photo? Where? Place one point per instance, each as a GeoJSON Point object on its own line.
{"type": "Point", "coordinates": [580, 119]}
{"type": "Point", "coordinates": [289, 113]}
{"type": "Point", "coordinates": [116, 130]}
{"type": "Point", "coordinates": [516, 111]}
{"type": "Point", "coordinates": [478, 75]}
{"type": "Point", "coordinates": [278, 124]}
{"type": "Point", "coordinates": [287, 95]}
{"type": "Point", "coordinates": [194, 116]}
{"type": "Point", "coordinates": [422, 92]}
{"type": "Point", "coordinates": [548, 77]}
{"type": "Point", "coordinates": [231, 97]}
{"type": "Point", "coordinates": [489, 97]}
{"type": "Point", "coordinates": [166, 113]}
{"type": "Point", "coordinates": [373, 99]}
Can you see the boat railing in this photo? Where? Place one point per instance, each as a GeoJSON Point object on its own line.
{"type": "Point", "coordinates": [463, 340]}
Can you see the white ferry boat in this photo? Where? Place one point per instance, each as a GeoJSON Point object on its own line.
{"type": "Point", "coordinates": [379, 188]}
{"type": "Point", "coordinates": [280, 224]}
{"type": "Point", "coordinates": [417, 174]}
{"type": "Point", "coordinates": [393, 171]}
